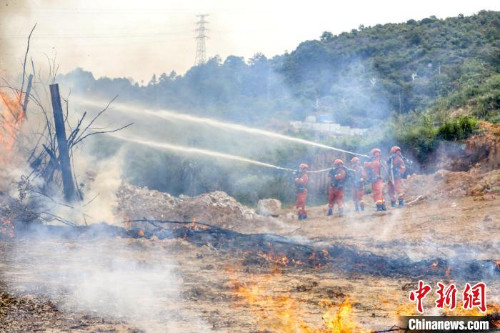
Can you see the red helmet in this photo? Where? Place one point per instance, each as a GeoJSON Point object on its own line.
{"type": "Point", "coordinates": [375, 150]}
{"type": "Point", "coordinates": [395, 149]}
{"type": "Point", "coordinates": [303, 166]}
{"type": "Point", "coordinates": [354, 160]}
{"type": "Point", "coordinates": [338, 161]}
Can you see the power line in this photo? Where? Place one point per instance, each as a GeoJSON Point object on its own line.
{"type": "Point", "coordinates": [200, 38]}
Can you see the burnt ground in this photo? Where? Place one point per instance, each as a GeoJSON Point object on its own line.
{"type": "Point", "coordinates": [121, 284]}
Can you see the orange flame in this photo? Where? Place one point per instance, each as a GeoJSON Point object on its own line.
{"type": "Point", "coordinates": [340, 319]}
{"type": "Point", "coordinates": [11, 118]}
{"type": "Point", "coordinates": [279, 259]}
{"type": "Point", "coordinates": [406, 309]}
{"type": "Point", "coordinates": [283, 313]}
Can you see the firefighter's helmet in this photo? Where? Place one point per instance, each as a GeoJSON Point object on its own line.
{"type": "Point", "coordinates": [303, 166]}
{"type": "Point", "coordinates": [374, 150]}
{"type": "Point", "coordinates": [338, 162]}
{"type": "Point", "coordinates": [355, 160]}
{"type": "Point", "coordinates": [395, 149]}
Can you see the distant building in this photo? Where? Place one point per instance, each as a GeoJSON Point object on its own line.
{"type": "Point", "coordinates": [325, 118]}
{"type": "Point", "coordinates": [323, 124]}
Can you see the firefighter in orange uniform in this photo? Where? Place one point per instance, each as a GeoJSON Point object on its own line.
{"type": "Point", "coordinates": [374, 168]}
{"type": "Point", "coordinates": [358, 189]}
{"type": "Point", "coordinates": [301, 184]}
{"type": "Point", "coordinates": [396, 170]}
{"type": "Point", "coordinates": [337, 177]}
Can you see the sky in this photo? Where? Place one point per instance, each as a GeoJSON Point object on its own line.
{"type": "Point", "coordinates": [136, 39]}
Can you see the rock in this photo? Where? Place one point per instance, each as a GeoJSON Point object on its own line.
{"type": "Point", "coordinates": [269, 207]}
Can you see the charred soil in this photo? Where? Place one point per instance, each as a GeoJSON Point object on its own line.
{"type": "Point", "coordinates": [450, 216]}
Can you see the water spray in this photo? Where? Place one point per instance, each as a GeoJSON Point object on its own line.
{"type": "Point", "coordinates": [170, 115]}
{"type": "Point", "coordinates": [191, 150]}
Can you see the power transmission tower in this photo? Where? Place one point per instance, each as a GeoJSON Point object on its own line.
{"type": "Point", "coordinates": [200, 37]}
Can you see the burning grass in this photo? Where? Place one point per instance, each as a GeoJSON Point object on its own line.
{"type": "Point", "coordinates": [228, 291]}
{"type": "Point", "coordinates": [281, 312]}
{"type": "Point", "coordinates": [11, 118]}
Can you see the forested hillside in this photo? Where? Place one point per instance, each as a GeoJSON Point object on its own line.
{"type": "Point", "coordinates": [417, 84]}
{"type": "Point", "coordinates": [368, 73]}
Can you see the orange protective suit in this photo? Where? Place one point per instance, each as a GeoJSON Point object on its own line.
{"type": "Point", "coordinates": [336, 188]}
{"type": "Point", "coordinates": [358, 189]}
{"type": "Point", "coordinates": [398, 168]}
{"type": "Point", "coordinates": [377, 183]}
{"type": "Point", "coordinates": [301, 183]}
{"type": "Point", "coordinates": [335, 196]}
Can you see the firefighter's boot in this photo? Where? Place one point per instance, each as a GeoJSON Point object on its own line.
{"type": "Point", "coordinates": [362, 205]}
{"type": "Point", "coordinates": [300, 217]}
{"type": "Point", "coordinates": [393, 203]}
{"type": "Point", "coordinates": [384, 208]}
{"type": "Point", "coordinates": [401, 203]}
{"type": "Point", "coordinates": [330, 212]}
{"type": "Point", "coordinates": [304, 216]}
{"type": "Point", "coordinates": [341, 212]}
{"type": "Point", "coordinates": [356, 207]}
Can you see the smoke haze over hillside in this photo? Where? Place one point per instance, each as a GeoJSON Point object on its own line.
{"type": "Point", "coordinates": [160, 35]}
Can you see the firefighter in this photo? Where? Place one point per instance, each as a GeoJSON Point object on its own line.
{"type": "Point", "coordinates": [396, 170]}
{"type": "Point", "coordinates": [337, 177]}
{"type": "Point", "coordinates": [374, 168]}
{"type": "Point", "coordinates": [301, 184]}
{"type": "Point", "coordinates": [358, 188]}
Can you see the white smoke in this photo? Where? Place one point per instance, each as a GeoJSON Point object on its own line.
{"type": "Point", "coordinates": [117, 279]}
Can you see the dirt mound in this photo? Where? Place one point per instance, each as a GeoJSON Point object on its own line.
{"type": "Point", "coordinates": [451, 184]}
{"type": "Point", "coordinates": [214, 207]}
{"type": "Point", "coordinates": [484, 148]}
{"type": "Point", "coordinates": [479, 151]}
{"type": "Point", "coordinates": [217, 207]}
{"type": "Point", "coordinates": [141, 202]}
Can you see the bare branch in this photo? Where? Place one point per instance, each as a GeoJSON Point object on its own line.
{"type": "Point", "coordinates": [60, 219]}
{"type": "Point", "coordinates": [51, 152]}
{"type": "Point", "coordinates": [27, 95]}
{"type": "Point", "coordinates": [101, 132]}
{"type": "Point", "coordinates": [36, 147]}
{"type": "Point", "coordinates": [75, 132]}
{"type": "Point", "coordinates": [33, 67]}
{"type": "Point", "coordinates": [24, 64]}
{"type": "Point", "coordinates": [91, 200]}
{"type": "Point", "coordinates": [66, 100]}
{"type": "Point", "coordinates": [78, 139]}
